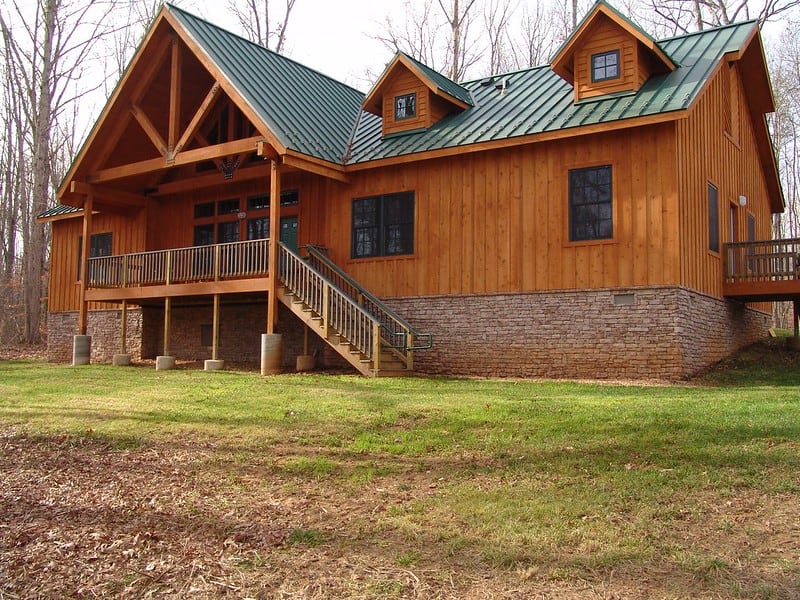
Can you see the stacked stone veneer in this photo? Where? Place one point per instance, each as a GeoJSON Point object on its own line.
{"type": "Point", "coordinates": [103, 325]}
{"type": "Point", "coordinates": [662, 333]}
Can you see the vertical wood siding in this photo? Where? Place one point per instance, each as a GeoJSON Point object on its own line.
{"type": "Point", "coordinates": [605, 36]}
{"type": "Point", "coordinates": [708, 154]}
{"type": "Point", "coordinates": [402, 82]}
{"type": "Point", "coordinates": [64, 287]}
{"type": "Point", "coordinates": [497, 221]}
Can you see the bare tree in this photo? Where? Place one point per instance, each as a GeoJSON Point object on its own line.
{"type": "Point", "coordinates": [416, 35]}
{"type": "Point", "coordinates": [680, 16]}
{"type": "Point", "coordinates": [535, 40]}
{"type": "Point", "coordinates": [458, 15]}
{"type": "Point", "coordinates": [47, 49]}
{"type": "Point", "coordinates": [497, 15]}
{"type": "Point", "coordinates": [259, 24]}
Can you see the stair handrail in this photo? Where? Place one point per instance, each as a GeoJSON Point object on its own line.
{"type": "Point", "coordinates": [398, 329]}
{"type": "Point", "coordinates": [334, 306]}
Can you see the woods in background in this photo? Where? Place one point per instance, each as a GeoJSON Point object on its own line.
{"type": "Point", "coordinates": [56, 53]}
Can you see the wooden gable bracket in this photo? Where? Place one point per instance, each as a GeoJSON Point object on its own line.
{"type": "Point", "coordinates": [194, 124]}
{"type": "Point", "coordinates": [218, 151]}
{"type": "Point", "coordinates": [149, 129]}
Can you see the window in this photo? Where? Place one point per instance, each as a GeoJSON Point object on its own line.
{"type": "Point", "coordinates": [590, 209]}
{"type": "Point", "coordinates": [204, 210]}
{"type": "Point", "coordinates": [227, 231]}
{"type": "Point", "coordinates": [204, 235]}
{"type": "Point", "coordinates": [713, 218]}
{"type": "Point", "coordinates": [383, 225]}
{"type": "Point", "coordinates": [260, 202]}
{"type": "Point", "coordinates": [605, 65]}
{"type": "Point", "coordinates": [258, 228]}
{"type": "Point", "coordinates": [228, 207]}
{"type": "Point", "coordinates": [99, 245]}
{"type": "Point", "coordinates": [405, 106]}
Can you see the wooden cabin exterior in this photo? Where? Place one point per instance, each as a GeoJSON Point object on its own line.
{"type": "Point", "coordinates": [606, 215]}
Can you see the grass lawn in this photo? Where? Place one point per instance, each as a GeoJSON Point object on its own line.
{"type": "Point", "coordinates": [127, 482]}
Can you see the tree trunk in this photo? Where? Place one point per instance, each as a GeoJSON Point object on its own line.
{"type": "Point", "coordinates": [40, 189]}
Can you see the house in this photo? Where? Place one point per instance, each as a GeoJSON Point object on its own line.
{"type": "Point", "coordinates": [605, 215]}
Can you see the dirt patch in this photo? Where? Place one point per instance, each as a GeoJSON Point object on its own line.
{"type": "Point", "coordinates": [82, 519]}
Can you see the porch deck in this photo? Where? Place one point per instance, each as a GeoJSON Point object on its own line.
{"type": "Point", "coordinates": [201, 270]}
{"type": "Point", "coordinates": [762, 271]}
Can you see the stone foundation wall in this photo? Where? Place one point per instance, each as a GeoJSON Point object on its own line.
{"type": "Point", "coordinates": [637, 333]}
{"type": "Point", "coordinates": [103, 325]}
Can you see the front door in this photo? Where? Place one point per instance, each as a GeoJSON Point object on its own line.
{"type": "Point", "coordinates": [288, 233]}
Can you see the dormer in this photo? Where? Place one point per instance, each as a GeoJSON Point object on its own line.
{"type": "Point", "coordinates": [410, 96]}
{"type": "Point", "coordinates": [608, 54]}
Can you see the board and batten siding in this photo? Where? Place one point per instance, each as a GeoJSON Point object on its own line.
{"type": "Point", "coordinates": [603, 37]}
{"type": "Point", "coordinates": [709, 154]}
{"type": "Point", "coordinates": [64, 287]}
{"type": "Point", "coordinates": [493, 222]}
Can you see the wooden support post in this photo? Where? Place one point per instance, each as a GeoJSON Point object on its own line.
{"type": "Point", "coordinates": [174, 99]}
{"type": "Point", "coordinates": [409, 352]}
{"type": "Point", "coordinates": [274, 236]}
{"type": "Point", "coordinates": [376, 347]}
{"type": "Point", "coordinates": [168, 268]}
{"type": "Point", "coordinates": [305, 340]}
{"type": "Point", "coordinates": [326, 295]}
{"type": "Point", "coordinates": [86, 249]}
{"type": "Point", "coordinates": [167, 316]}
{"type": "Point", "coordinates": [797, 318]}
{"type": "Point", "coordinates": [215, 332]}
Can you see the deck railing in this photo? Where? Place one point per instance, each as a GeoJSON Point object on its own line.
{"type": "Point", "coordinates": [771, 260]}
{"type": "Point", "coordinates": [396, 332]}
{"type": "Point", "coordinates": [338, 313]}
{"type": "Point", "coordinates": [235, 260]}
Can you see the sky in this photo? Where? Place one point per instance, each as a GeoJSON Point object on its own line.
{"type": "Point", "coordinates": [331, 36]}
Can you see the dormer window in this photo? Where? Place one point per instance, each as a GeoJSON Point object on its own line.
{"type": "Point", "coordinates": [605, 66]}
{"type": "Point", "coordinates": [405, 107]}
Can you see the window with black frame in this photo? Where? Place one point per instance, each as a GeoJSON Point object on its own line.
{"type": "Point", "coordinates": [100, 244]}
{"type": "Point", "coordinates": [383, 225]}
{"type": "Point", "coordinates": [713, 218]}
{"type": "Point", "coordinates": [591, 214]}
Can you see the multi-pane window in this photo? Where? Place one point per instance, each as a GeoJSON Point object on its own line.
{"type": "Point", "coordinates": [258, 228]}
{"type": "Point", "coordinates": [405, 106]}
{"type": "Point", "coordinates": [99, 245]}
{"type": "Point", "coordinates": [605, 65]}
{"type": "Point", "coordinates": [383, 225]}
{"type": "Point", "coordinates": [591, 215]}
{"type": "Point", "coordinates": [713, 218]}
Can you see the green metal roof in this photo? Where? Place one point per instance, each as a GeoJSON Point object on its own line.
{"type": "Point", "coordinates": [320, 117]}
{"type": "Point", "coordinates": [307, 111]}
{"type": "Point", "coordinates": [538, 101]}
{"type": "Point", "coordinates": [58, 210]}
{"type": "Point", "coordinates": [449, 87]}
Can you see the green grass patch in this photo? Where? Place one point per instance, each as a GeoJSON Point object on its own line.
{"type": "Point", "coordinates": [565, 479]}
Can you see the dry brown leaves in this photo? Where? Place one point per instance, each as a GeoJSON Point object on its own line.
{"type": "Point", "coordinates": [79, 519]}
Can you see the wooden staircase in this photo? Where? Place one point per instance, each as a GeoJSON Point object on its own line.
{"type": "Point", "coordinates": [362, 330]}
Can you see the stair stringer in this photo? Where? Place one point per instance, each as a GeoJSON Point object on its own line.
{"type": "Point", "coordinates": [342, 347]}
